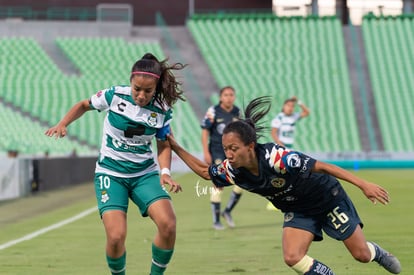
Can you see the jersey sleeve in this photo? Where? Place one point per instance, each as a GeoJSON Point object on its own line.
{"type": "Point", "coordinates": [298, 163]}
{"type": "Point", "coordinates": [284, 161]}
{"type": "Point", "coordinates": [297, 116]}
{"type": "Point", "coordinates": [276, 122]}
{"type": "Point", "coordinates": [161, 133]}
{"type": "Point", "coordinates": [102, 99]}
{"type": "Point", "coordinates": [221, 174]}
{"type": "Point", "coordinates": [208, 119]}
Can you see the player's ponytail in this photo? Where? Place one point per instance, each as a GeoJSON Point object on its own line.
{"type": "Point", "coordinates": [168, 89]}
{"type": "Point", "coordinates": [249, 129]}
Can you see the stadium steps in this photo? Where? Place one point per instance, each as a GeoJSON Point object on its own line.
{"type": "Point", "coordinates": [59, 59]}
{"type": "Point", "coordinates": [363, 98]}
{"type": "Point", "coordinates": [179, 45]}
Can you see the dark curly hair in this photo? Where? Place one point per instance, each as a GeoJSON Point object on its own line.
{"type": "Point", "coordinates": [248, 129]}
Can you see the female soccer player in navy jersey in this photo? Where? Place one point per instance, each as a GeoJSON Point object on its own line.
{"type": "Point", "coordinates": [304, 189]}
{"type": "Point", "coordinates": [126, 168]}
{"type": "Point", "coordinates": [213, 123]}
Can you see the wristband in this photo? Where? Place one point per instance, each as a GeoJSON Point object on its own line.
{"type": "Point", "coordinates": [165, 171]}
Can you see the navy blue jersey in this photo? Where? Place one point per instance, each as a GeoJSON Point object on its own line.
{"type": "Point", "coordinates": [215, 120]}
{"type": "Point", "coordinates": [285, 179]}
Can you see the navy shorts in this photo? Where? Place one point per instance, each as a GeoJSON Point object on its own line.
{"type": "Point", "coordinates": [338, 223]}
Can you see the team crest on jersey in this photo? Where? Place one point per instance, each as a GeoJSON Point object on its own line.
{"type": "Point", "coordinates": [104, 197]}
{"type": "Point", "coordinates": [152, 120]}
{"type": "Point", "coordinates": [278, 182]}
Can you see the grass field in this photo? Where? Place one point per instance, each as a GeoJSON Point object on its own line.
{"type": "Point", "coordinates": [253, 247]}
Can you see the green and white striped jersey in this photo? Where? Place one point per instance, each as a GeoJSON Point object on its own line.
{"type": "Point", "coordinates": [128, 131]}
{"type": "Point", "coordinates": [286, 125]}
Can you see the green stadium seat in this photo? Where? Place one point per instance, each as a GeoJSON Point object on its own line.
{"type": "Point", "coordinates": [390, 60]}
{"type": "Point", "coordinates": [266, 55]}
{"type": "Point", "coordinates": [37, 87]}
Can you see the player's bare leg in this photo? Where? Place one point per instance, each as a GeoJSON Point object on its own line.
{"type": "Point", "coordinates": [162, 213]}
{"type": "Point", "coordinates": [115, 224]}
{"type": "Point", "coordinates": [296, 243]}
{"type": "Point", "coordinates": [365, 252]}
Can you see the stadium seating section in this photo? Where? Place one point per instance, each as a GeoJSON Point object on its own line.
{"type": "Point", "coordinates": [389, 43]}
{"type": "Point", "coordinates": [258, 55]}
{"type": "Point", "coordinates": [20, 133]}
{"type": "Point", "coordinates": [281, 57]}
{"type": "Point", "coordinates": [31, 82]}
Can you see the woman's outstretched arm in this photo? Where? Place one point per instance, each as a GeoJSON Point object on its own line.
{"type": "Point", "coordinates": [198, 166]}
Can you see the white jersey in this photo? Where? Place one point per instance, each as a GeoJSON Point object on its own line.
{"type": "Point", "coordinates": [128, 131]}
{"type": "Point", "coordinates": [286, 127]}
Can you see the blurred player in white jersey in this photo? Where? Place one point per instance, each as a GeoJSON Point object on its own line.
{"type": "Point", "coordinates": [283, 125]}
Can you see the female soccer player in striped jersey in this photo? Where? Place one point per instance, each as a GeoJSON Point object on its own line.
{"type": "Point", "coordinates": [284, 124]}
{"type": "Point", "coordinates": [304, 189]}
{"type": "Point", "coordinates": [126, 168]}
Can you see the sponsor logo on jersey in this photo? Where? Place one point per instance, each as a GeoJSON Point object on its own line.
{"type": "Point", "coordinates": [290, 198]}
{"type": "Point", "coordinates": [305, 165]}
{"type": "Point", "coordinates": [121, 106]}
{"type": "Point", "coordinates": [220, 128]}
{"type": "Point", "coordinates": [278, 182]}
{"type": "Point", "coordinates": [152, 119]}
{"type": "Point", "coordinates": [344, 229]}
{"type": "Point", "coordinates": [289, 216]}
{"type": "Point", "coordinates": [293, 160]}
{"type": "Point", "coordinates": [116, 143]}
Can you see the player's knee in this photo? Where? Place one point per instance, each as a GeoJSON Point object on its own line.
{"type": "Point", "coordinates": [362, 255]}
{"type": "Point", "coordinates": [292, 258]}
{"type": "Point", "coordinates": [167, 227]}
{"type": "Point", "coordinates": [237, 190]}
{"type": "Point", "coordinates": [116, 238]}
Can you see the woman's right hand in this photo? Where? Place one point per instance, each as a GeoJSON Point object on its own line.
{"type": "Point", "coordinates": [58, 131]}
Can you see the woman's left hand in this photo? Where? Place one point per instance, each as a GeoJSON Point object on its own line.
{"type": "Point", "coordinates": [376, 193]}
{"type": "Point", "coordinates": [174, 186]}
